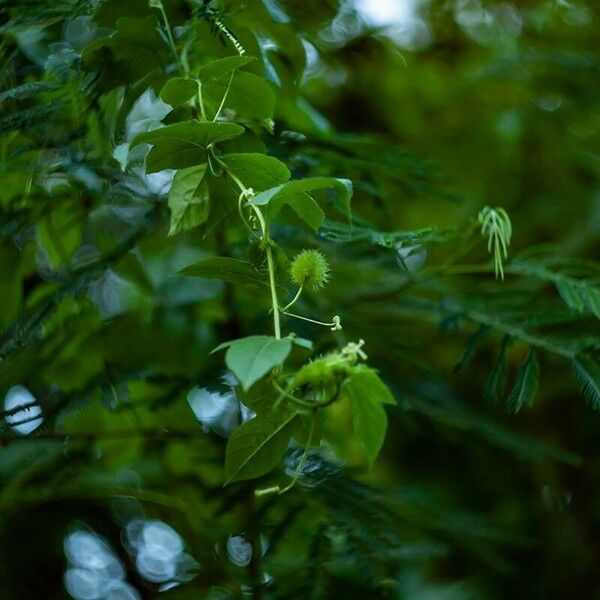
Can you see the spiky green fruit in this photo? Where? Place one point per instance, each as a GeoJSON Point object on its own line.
{"type": "Point", "coordinates": [310, 270]}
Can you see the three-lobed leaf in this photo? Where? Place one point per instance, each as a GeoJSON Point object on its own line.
{"type": "Point", "coordinates": [282, 193]}
{"type": "Point", "coordinates": [183, 144]}
{"type": "Point", "coordinates": [179, 90]}
{"type": "Point", "coordinates": [257, 171]}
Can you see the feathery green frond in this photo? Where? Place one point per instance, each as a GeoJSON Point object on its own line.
{"type": "Point", "coordinates": [587, 370]}
{"type": "Point", "coordinates": [496, 226]}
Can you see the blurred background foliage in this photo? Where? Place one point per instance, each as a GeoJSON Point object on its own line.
{"type": "Point", "coordinates": [115, 412]}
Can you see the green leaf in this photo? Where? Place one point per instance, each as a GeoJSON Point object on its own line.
{"type": "Point", "coordinates": [188, 199]}
{"type": "Point", "coordinates": [496, 382]}
{"type": "Point", "coordinates": [587, 371]}
{"type": "Point", "coordinates": [252, 357]}
{"type": "Point", "coordinates": [307, 209]}
{"type": "Point", "coordinates": [256, 447]}
{"type": "Point", "coordinates": [368, 416]}
{"type": "Point", "coordinates": [368, 382]}
{"type": "Point", "coordinates": [178, 90]}
{"type": "Point", "coordinates": [248, 95]}
{"type": "Point", "coordinates": [129, 54]}
{"type": "Point", "coordinates": [569, 293]}
{"type": "Point", "coordinates": [310, 429]}
{"type": "Point", "coordinates": [526, 384]}
{"type": "Point", "coordinates": [292, 188]}
{"type": "Point", "coordinates": [471, 345]}
{"type": "Point", "coordinates": [256, 170]}
{"type": "Point", "coordinates": [591, 296]}
{"type": "Point", "coordinates": [226, 269]}
{"type": "Point", "coordinates": [183, 144]}
{"type": "Point", "coordinates": [260, 397]}
{"type": "Point", "coordinates": [222, 67]}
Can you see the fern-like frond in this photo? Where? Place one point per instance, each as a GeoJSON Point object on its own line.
{"type": "Point", "coordinates": [580, 295]}
{"type": "Point", "coordinates": [26, 90]}
{"type": "Point", "coordinates": [496, 226]}
{"type": "Point", "coordinates": [526, 384]}
{"type": "Point", "coordinates": [496, 382]}
{"type": "Point", "coordinates": [33, 116]}
{"type": "Point", "coordinates": [335, 231]}
{"type": "Point", "coordinates": [587, 370]}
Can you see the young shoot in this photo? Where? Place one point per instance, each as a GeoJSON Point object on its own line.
{"type": "Point", "coordinates": [496, 226]}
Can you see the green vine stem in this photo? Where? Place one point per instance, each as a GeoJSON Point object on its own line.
{"type": "Point", "coordinates": [201, 102]}
{"type": "Point", "coordinates": [158, 4]}
{"type": "Point", "coordinates": [248, 193]}
{"type": "Point", "coordinates": [335, 325]}
{"type": "Point", "coordinates": [294, 300]}
{"type": "Point", "coordinates": [274, 301]}
{"type": "Point", "coordinates": [224, 97]}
